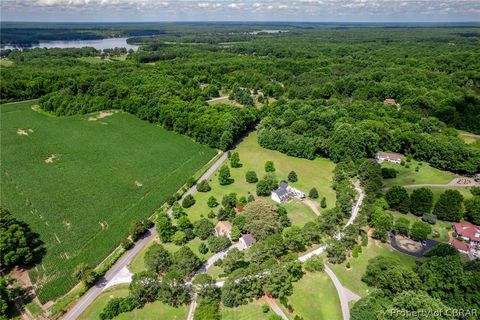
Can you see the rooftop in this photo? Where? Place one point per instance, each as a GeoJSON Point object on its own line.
{"type": "Point", "coordinates": [468, 230]}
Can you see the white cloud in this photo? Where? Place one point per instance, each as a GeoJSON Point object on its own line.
{"type": "Point", "coordinates": [294, 10]}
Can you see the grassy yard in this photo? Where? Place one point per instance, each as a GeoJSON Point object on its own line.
{"type": "Point", "coordinates": [315, 297]}
{"type": "Point", "coordinates": [253, 310]}
{"type": "Point", "coordinates": [156, 310]}
{"type": "Point", "coordinates": [437, 191]}
{"type": "Point", "coordinates": [351, 278]}
{"type": "Point", "coordinates": [5, 63]}
{"type": "Point", "coordinates": [442, 227]}
{"type": "Point", "coordinates": [426, 174]}
{"type": "Point", "coordinates": [138, 264]}
{"type": "Point", "coordinates": [468, 137]}
{"type": "Point", "coordinates": [311, 173]}
{"type": "Point", "coordinates": [94, 309]}
{"type": "Point", "coordinates": [80, 181]}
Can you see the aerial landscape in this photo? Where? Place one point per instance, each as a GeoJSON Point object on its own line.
{"type": "Point", "coordinates": [271, 160]}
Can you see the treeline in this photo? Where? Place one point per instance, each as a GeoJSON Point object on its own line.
{"type": "Point", "coordinates": [330, 86]}
{"type": "Point", "coordinates": [309, 128]}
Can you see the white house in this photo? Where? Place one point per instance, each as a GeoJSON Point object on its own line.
{"type": "Point", "coordinates": [390, 157]}
{"type": "Point", "coordinates": [285, 192]}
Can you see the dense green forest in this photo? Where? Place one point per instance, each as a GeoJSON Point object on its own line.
{"type": "Point", "coordinates": [322, 89]}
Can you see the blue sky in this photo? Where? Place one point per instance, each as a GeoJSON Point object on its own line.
{"type": "Point", "coordinates": [241, 10]}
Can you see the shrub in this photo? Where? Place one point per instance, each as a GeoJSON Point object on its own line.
{"type": "Point", "coordinates": [292, 176]}
{"type": "Point", "coordinates": [348, 265]}
{"type": "Point", "coordinates": [202, 248]}
{"type": "Point", "coordinates": [265, 308]}
{"type": "Point", "coordinates": [389, 173]}
{"type": "Point", "coordinates": [203, 186]}
{"type": "Point", "coordinates": [323, 203]}
{"type": "Point", "coordinates": [188, 201]}
{"type": "Point", "coordinates": [211, 214]}
{"type": "Point", "coordinates": [251, 177]}
{"type": "Point", "coordinates": [138, 228]}
{"type": "Point", "coordinates": [313, 264]}
{"type": "Point", "coordinates": [127, 244]}
{"type": "Point", "coordinates": [224, 177]}
{"type": "Point", "coordinates": [250, 198]}
{"type": "Point", "coordinates": [430, 218]}
{"type": "Point", "coordinates": [212, 202]}
{"type": "Point", "coordinates": [179, 238]}
{"type": "Point", "coordinates": [235, 160]}
{"type": "Point", "coordinates": [269, 166]}
{"type": "Point", "coordinates": [313, 194]}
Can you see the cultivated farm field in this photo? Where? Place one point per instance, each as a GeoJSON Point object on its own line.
{"type": "Point", "coordinates": [80, 181]}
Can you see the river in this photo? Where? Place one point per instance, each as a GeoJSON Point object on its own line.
{"type": "Point", "coordinates": [100, 44]}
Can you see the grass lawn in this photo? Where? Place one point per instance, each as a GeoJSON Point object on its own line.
{"type": "Point", "coordinates": [315, 297]}
{"type": "Point", "coordinates": [426, 174]}
{"type": "Point", "coordinates": [442, 227]}
{"type": "Point", "coordinates": [351, 278]}
{"type": "Point", "coordinates": [437, 191]}
{"type": "Point", "coordinates": [253, 310]}
{"type": "Point", "coordinates": [299, 213]}
{"type": "Point", "coordinates": [80, 181]}
{"type": "Point", "coordinates": [225, 100]}
{"type": "Point", "coordinates": [156, 310]}
{"type": "Point", "coordinates": [138, 264]}
{"type": "Point", "coordinates": [468, 137]}
{"type": "Point", "coordinates": [215, 272]}
{"type": "Point", "coordinates": [93, 311]}
{"type": "Point", "coordinates": [311, 173]}
{"type": "Point", "coordinates": [5, 62]}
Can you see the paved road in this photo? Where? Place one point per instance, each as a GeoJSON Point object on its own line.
{"type": "Point", "coordinates": [94, 291]}
{"type": "Point", "coordinates": [125, 260]}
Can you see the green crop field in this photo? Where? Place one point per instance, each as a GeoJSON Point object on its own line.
{"type": "Point", "coordinates": [80, 181]}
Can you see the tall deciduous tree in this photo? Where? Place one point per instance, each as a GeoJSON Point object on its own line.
{"type": "Point", "coordinates": [224, 177]}
{"type": "Point", "coordinates": [261, 219]}
{"type": "Point", "coordinates": [398, 199]}
{"type": "Point", "coordinates": [449, 206]}
{"type": "Point", "coordinates": [370, 175]}
{"type": "Point", "coordinates": [157, 259]}
{"type": "Point", "coordinates": [18, 244]}
{"type": "Point", "coordinates": [421, 201]}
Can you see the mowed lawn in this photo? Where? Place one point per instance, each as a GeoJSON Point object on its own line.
{"type": "Point", "coordinates": [155, 310]}
{"type": "Point", "coordinates": [352, 278]}
{"type": "Point", "coordinates": [315, 297]}
{"type": "Point", "coordinates": [253, 310]}
{"type": "Point", "coordinates": [425, 175]}
{"type": "Point", "coordinates": [311, 173]}
{"type": "Point", "coordinates": [138, 262]}
{"type": "Point", "coordinates": [80, 181]}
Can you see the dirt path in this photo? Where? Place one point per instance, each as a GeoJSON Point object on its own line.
{"type": "Point", "coordinates": [274, 306]}
{"type": "Point", "coordinates": [312, 205]}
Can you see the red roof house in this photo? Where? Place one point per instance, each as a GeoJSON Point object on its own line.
{"type": "Point", "coordinates": [467, 231]}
